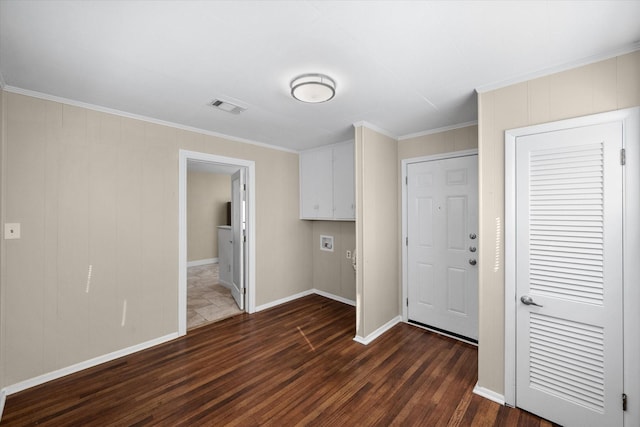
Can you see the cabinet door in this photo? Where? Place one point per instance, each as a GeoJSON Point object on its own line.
{"type": "Point", "coordinates": [343, 182]}
{"type": "Point", "coordinates": [316, 185]}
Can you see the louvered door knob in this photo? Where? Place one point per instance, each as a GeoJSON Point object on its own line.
{"type": "Point", "coordinates": [527, 300]}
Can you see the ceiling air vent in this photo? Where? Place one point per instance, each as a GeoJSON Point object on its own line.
{"type": "Point", "coordinates": [227, 106]}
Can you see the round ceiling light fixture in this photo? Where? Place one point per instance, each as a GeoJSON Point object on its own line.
{"type": "Point", "coordinates": [313, 88]}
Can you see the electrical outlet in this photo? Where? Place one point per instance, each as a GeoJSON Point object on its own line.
{"type": "Point", "coordinates": [348, 254]}
{"type": "Point", "coordinates": [12, 230]}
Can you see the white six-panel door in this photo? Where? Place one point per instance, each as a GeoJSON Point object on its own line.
{"type": "Point", "coordinates": [442, 276]}
{"type": "Point", "coordinates": [569, 282]}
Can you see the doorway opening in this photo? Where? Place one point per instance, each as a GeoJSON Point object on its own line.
{"type": "Point", "coordinates": [439, 254]}
{"type": "Point", "coordinates": [210, 244]}
{"type": "Point", "coordinates": [239, 274]}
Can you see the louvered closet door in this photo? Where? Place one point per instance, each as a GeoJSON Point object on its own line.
{"type": "Point", "coordinates": [569, 261]}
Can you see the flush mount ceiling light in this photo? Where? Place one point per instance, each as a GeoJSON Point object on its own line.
{"type": "Point", "coordinates": [313, 88]}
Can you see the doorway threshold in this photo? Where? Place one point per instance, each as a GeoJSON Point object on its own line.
{"type": "Point", "coordinates": [444, 332]}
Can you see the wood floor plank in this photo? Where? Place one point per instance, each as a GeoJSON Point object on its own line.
{"type": "Point", "coordinates": [294, 364]}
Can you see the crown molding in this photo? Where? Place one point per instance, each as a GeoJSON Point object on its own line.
{"type": "Point", "coordinates": [120, 113]}
{"type": "Point", "coordinates": [438, 130]}
{"type": "Point", "coordinates": [560, 67]}
{"type": "Point", "coordinates": [374, 128]}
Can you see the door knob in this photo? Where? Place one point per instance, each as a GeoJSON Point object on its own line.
{"type": "Point", "coordinates": [527, 300]}
{"type": "Point", "coordinates": [472, 236]}
{"type": "Point", "coordinates": [472, 261]}
{"type": "Point", "coordinates": [472, 248]}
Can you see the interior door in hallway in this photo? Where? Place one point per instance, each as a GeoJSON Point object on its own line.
{"type": "Point", "coordinates": [238, 227]}
{"type": "Point", "coordinates": [569, 281]}
{"type": "Point", "coordinates": [442, 221]}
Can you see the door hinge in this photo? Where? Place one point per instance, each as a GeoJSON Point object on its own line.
{"type": "Point", "coordinates": [406, 180]}
{"type": "Point", "coordinates": [244, 291]}
{"type": "Point", "coordinates": [406, 241]}
{"type": "Point", "coordinates": [624, 401]}
{"type": "Point", "coordinates": [623, 156]}
{"type": "Point", "coordinates": [407, 302]}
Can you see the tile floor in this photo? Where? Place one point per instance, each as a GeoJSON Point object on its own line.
{"type": "Point", "coordinates": [207, 299]}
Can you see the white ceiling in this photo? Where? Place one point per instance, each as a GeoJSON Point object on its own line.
{"type": "Point", "coordinates": [405, 67]}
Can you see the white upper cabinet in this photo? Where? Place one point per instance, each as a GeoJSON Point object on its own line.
{"type": "Point", "coordinates": [343, 182]}
{"type": "Point", "coordinates": [327, 183]}
{"type": "Point", "coordinates": [316, 184]}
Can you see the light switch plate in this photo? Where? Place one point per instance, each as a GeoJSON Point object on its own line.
{"type": "Point", "coordinates": [12, 230]}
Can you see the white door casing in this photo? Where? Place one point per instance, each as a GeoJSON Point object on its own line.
{"type": "Point", "coordinates": [238, 227]}
{"type": "Point", "coordinates": [442, 244]}
{"type": "Point", "coordinates": [571, 244]}
{"type": "Point", "coordinates": [568, 245]}
{"type": "Point", "coordinates": [250, 247]}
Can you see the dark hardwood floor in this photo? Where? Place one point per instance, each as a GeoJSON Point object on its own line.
{"type": "Point", "coordinates": [295, 364]}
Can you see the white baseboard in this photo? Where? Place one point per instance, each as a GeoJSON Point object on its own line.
{"type": "Point", "coordinates": [41, 379]}
{"type": "Point", "coordinates": [489, 394]}
{"type": "Point", "coordinates": [381, 330]}
{"type": "Point", "coordinates": [334, 297]}
{"type": "Point", "coordinates": [304, 294]}
{"type": "Point", "coordinates": [202, 262]}
{"type": "Point", "coordinates": [283, 300]}
{"type": "Point", "coordinates": [3, 398]}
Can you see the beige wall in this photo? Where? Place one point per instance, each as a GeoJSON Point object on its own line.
{"type": "Point", "coordinates": [377, 295]}
{"type": "Point", "coordinates": [332, 271]}
{"type": "Point", "coordinates": [97, 197]}
{"type": "Point", "coordinates": [465, 138]}
{"type": "Point", "coordinates": [599, 87]}
{"type": "Point", "coordinates": [207, 197]}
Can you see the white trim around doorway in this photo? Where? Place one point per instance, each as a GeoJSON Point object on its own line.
{"type": "Point", "coordinates": [630, 119]}
{"type": "Point", "coordinates": [184, 156]}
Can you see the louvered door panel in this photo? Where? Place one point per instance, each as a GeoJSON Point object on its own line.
{"type": "Point", "coordinates": [567, 220]}
{"type": "Point", "coordinates": [567, 359]}
{"type": "Point", "coordinates": [568, 260]}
